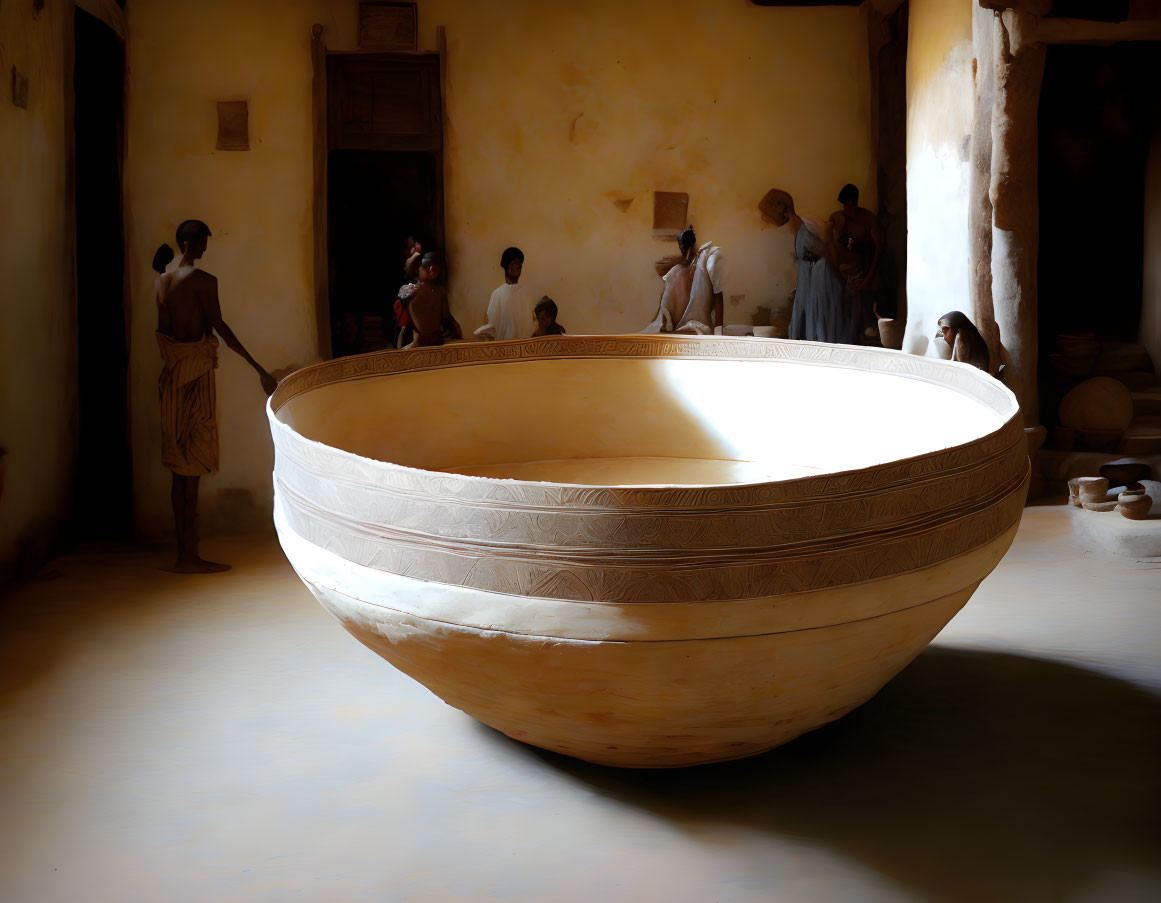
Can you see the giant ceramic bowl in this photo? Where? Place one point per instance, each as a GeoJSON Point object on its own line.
{"type": "Point", "coordinates": [646, 550]}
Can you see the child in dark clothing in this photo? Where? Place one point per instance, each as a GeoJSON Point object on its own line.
{"type": "Point", "coordinates": [545, 314]}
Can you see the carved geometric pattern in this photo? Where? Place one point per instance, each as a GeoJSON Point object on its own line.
{"type": "Point", "coordinates": [676, 576]}
{"type": "Point", "coordinates": [642, 544]}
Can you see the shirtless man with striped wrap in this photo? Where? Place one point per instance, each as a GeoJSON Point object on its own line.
{"type": "Point", "coordinates": [188, 315]}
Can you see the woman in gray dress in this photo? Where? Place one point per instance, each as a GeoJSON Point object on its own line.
{"type": "Point", "coordinates": [822, 310]}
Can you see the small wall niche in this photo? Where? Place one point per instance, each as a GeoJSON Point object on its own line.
{"type": "Point", "coordinates": [670, 209]}
{"type": "Point", "coordinates": [233, 125]}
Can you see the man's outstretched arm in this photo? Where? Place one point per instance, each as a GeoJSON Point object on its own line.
{"type": "Point", "coordinates": [213, 311]}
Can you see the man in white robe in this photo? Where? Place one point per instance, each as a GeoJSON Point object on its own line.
{"type": "Point", "coordinates": [510, 307]}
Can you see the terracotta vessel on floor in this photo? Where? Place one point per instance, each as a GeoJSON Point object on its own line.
{"type": "Point", "coordinates": [1134, 504]}
{"type": "Point", "coordinates": [647, 550]}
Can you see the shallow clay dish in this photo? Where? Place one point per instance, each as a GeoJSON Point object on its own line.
{"type": "Point", "coordinates": [1125, 470]}
{"type": "Point", "coordinates": [647, 550]}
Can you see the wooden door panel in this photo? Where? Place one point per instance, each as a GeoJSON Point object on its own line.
{"type": "Point", "coordinates": [384, 102]}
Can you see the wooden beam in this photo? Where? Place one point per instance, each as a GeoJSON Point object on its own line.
{"type": "Point", "coordinates": [1084, 31]}
{"type": "Point", "coordinates": [108, 12]}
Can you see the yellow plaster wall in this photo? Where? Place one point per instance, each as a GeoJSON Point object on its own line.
{"type": "Point", "coordinates": [37, 338]}
{"type": "Point", "coordinates": [939, 124]}
{"type": "Point", "coordinates": [556, 110]}
{"type": "Point", "coordinates": [559, 110]}
{"type": "Point", "coordinates": [182, 60]}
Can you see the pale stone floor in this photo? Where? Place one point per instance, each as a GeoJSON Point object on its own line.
{"type": "Point", "coordinates": [219, 738]}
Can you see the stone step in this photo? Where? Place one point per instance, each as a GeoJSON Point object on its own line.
{"type": "Point", "coordinates": [1146, 402]}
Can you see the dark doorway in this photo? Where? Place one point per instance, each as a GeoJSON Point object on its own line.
{"type": "Point", "coordinates": [384, 183]}
{"type": "Point", "coordinates": [103, 500]}
{"type": "Point", "coordinates": [1098, 107]}
{"type": "Point", "coordinates": [376, 200]}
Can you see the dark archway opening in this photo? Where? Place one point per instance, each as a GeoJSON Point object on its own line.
{"type": "Point", "coordinates": [384, 182]}
{"type": "Point", "coordinates": [103, 499]}
{"type": "Point", "coordinates": [376, 199]}
{"type": "Point", "coordinates": [1098, 111]}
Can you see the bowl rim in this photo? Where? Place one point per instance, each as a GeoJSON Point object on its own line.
{"type": "Point", "coordinates": [953, 375]}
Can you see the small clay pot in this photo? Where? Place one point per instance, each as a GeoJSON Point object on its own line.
{"type": "Point", "coordinates": [1134, 504]}
{"type": "Point", "coordinates": [891, 333]}
{"type": "Point", "coordinates": [1093, 494]}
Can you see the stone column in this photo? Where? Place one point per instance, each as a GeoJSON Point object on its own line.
{"type": "Point", "coordinates": [980, 180]}
{"type": "Point", "coordinates": [1019, 70]}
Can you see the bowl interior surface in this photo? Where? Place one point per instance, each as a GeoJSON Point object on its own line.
{"type": "Point", "coordinates": [624, 421]}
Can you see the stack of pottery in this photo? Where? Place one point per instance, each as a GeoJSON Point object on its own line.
{"type": "Point", "coordinates": [1123, 486]}
{"type": "Point", "coordinates": [1136, 503]}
